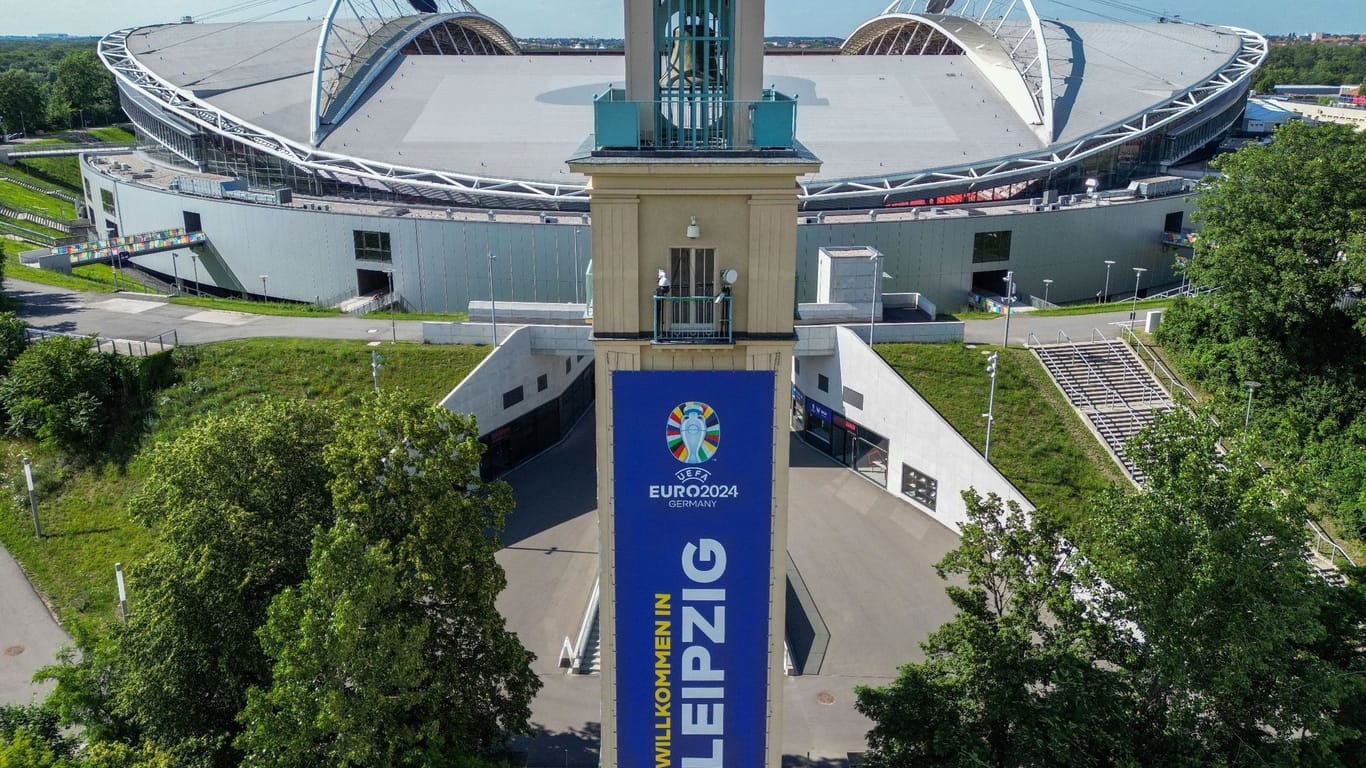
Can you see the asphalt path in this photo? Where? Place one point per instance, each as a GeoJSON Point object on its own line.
{"type": "Point", "coordinates": [137, 317]}
{"type": "Point", "coordinates": [29, 637]}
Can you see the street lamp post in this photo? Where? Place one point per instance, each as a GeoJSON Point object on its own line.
{"type": "Point", "coordinates": [493, 301]}
{"type": "Point", "coordinates": [194, 262]}
{"type": "Point", "coordinates": [1010, 292]}
{"type": "Point", "coordinates": [991, 403]}
{"type": "Point", "coordinates": [32, 498]}
{"type": "Point", "coordinates": [1047, 283]}
{"type": "Point", "coordinates": [175, 257]}
{"type": "Point", "coordinates": [1251, 387]}
{"type": "Point", "coordinates": [872, 309]}
{"type": "Point", "coordinates": [393, 323]}
{"type": "Point", "coordinates": [1133, 308]}
{"type": "Point", "coordinates": [263, 287]}
{"type": "Point", "coordinates": [1108, 263]}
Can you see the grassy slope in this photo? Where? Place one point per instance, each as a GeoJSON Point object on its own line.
{"type": "Point", "coordinates": [112, 135]}
{"type": "Point", "coordinates": [85, 529]}
{"type": "Point", "coordinates": [1038, 442]}
{"type": "Point", "coordinates": [279, 308]}
{"type": "Point", "coordinates": [23, 199]}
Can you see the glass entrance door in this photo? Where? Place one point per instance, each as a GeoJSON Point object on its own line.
{"type": "Point", "coordinates": [692, 275]}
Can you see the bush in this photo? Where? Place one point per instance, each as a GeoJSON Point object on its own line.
{"type": "Point", "coordinates": [70, 397]}
{"type": "Point", "coordinates": [13, 340]}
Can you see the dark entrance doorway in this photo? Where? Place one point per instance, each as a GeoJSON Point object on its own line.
{"type": "Point", "coordinates": [371, 281]}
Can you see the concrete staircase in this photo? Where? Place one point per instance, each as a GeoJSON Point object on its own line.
{"type": "Point", "coordinates": [1105, 381]}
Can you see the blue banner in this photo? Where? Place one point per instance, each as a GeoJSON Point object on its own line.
{"type": "Point", "coordinates": [693, 454]}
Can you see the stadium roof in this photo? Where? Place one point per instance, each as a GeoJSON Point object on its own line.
{"type": "Point", "coordinates": [508, 122]}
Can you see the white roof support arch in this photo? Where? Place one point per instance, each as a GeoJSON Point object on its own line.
{"type": "Point", "coordinates": [358, 39]}
{"type": "Point", "coordinates": [1018, 32]}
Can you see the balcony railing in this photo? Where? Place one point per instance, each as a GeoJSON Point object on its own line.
{"type": "Point", "coordinates": [700, 123]}
{"type": "Point", "coordinates": [693, 320]}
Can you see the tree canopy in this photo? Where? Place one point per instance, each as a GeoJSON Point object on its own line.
{"type": "Point", "coordinates": [1284, 244]}
{"type": "Point", "coordinates": [1193, 634]}
{"type": "Point", "coordinates": [392, 651]}
{"type": "Point", "coordinates": [323, 594]}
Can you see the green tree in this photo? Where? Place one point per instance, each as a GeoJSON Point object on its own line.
{"type": "Point", "coordinates": [1284, 241]}
{"type": "Point", "coordinates": [1209, 563]}
{"type": "Point", "coordinates": [62, 392]}
{"type": "Point", "coordinates": [22, 105]}
{"type": "Point", "coordinates": [84, 85]}
{"type": "Point", "coordinates": [235, 500]}
{"type": "Point", "coordinates": [13, 338]}
{"type": "Point", "coordinates": [1013, 679]}
{"type": "Point", "coordinates": [392, 651]}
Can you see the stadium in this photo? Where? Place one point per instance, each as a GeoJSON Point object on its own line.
{"type": "Point", "coordinates": [390, 149]}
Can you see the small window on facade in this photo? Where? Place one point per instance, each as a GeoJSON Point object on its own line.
{"type": "Point", "coordinates": [372, 246]}
{"type": "Point", "coordinates": [107, 200]}
{"type": "Point", "coordinates": [853, 397]}
{"type": "Point", "coordinates": [568, 365]}
{"type": "Point", "coordinates": [990, 246]}
{"type": "Point", "coordinates": [822, 382]}
{"type": "Point", "coordinates": [797, 364]}
{"type": "Point", "coordinates": [919, 486]}
{"type": "Point", "coordinates": [1174, 221]}
{"type": "Point", "coordinates": [542, 383]}
{"type": "Point", "coordinates": [192, 223]}
{"type": "Point", "coordinates": [512, 397]}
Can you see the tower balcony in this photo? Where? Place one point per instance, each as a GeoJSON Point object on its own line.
{"type": "Point", "coordinates": [694, 319]}
{"type": "Point", "coordinates": [694, 123]}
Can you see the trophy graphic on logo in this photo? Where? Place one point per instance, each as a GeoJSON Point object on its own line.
{"type": "Point", "coordinates": [693, 432]}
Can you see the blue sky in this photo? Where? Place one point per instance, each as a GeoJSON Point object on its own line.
{"type": "Point", "coordinates": [543, 18]}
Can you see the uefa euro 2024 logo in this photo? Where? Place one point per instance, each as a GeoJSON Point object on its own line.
{"type": "Point", "coordinates": [692, 436]}
{"type": "Point", "coordinates": [693, 433]}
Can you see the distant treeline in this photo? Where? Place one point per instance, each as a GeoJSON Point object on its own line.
{"type": "Point", "coordinates": [54, 84]}
{"type": "Point", "coordinates": [1312, 64]}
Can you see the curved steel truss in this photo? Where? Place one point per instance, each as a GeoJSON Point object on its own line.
{"type": "Point", "coordinates": [113, 51]}
{"type": "Point", "coordinates": [1234, 76]}
{"type": "Point", "coordinates": [358, 38]}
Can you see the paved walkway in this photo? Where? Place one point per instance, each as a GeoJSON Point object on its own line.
{"type": "Point", "coordinates": [29, 637]}
{"type": "Point", "coordinates": [140, 316]}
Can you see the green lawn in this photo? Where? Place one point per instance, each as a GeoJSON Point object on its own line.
{"type": "Point", "coordinates": [63, 171]}
{"type": "Point", "coordinates": [23, 199]}
{"type": "Point", "coordinates": [112, 135]}
{"type": "Point", "coordinates": [87, 278]}
{"type": "Point", "coordinates": [1074, 309]}
{"type": "Point", "coordinates": [82, 510]}
{"type": "Point", "coordinates": [440, 317]}
{"type": "Point", "coordinates": [32, 227]}
{"type": "Point", "coordinates": [1038, 442]}
{"type": "Point", "coordinates": [279, 308]}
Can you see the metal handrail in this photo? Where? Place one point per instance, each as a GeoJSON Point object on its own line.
{"type": "Point", "coordinates": [1334, 549]}
{"type": "Point", "coordinates": [1155, 393]}
{"type": "Point", "coordinates": [1101, 426]}
{"type": "Point", "coordinates": [590, 617]}
{"type": "Point", "coordinates": [1175, 384]}
{"type": "Point", "coordinates": [716, 328]}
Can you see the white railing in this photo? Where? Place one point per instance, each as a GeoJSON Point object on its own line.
{"type": "Point", "coordinates": [1322, 540]}
{"type": "Point", "coordinates": [590, 619]}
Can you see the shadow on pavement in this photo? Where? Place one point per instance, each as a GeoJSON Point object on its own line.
{"type": "Point", "coordinates": [43, 304]}
{"type": "Point", "coordinates": [577, 748]}
{"type": "Point", "coordinates": [555, 487]}
{"type": "Point", "coordinates": [803, 454]}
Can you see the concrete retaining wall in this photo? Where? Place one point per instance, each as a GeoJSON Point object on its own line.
{"type": "Point", "coordinates": [917, 435]}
